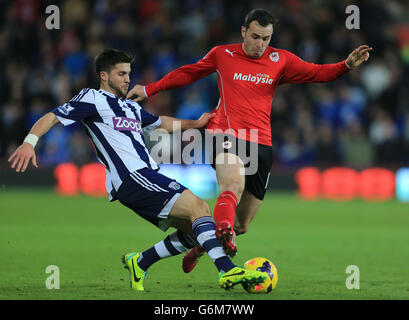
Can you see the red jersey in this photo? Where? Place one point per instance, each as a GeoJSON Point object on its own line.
{"type": "Point", "coordinates": [247, 85]}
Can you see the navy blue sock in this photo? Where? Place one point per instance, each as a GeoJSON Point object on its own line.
{"type": "Point", "coordinates": [174, 244]}
{"type": "Point", "coordinates": [205, 231]}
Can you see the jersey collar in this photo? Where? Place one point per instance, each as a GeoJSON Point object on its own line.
{"type": "Point", "coordinates": [107, 93]}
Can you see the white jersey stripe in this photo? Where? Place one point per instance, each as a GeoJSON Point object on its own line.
{"type": "Point", "coordinates": [113, 173]}
{"type": "Point", "coordinates": [147, 181]}
{"type": "Point", "coordinates": [224, 99]}
{"type": "Point", "coordinates": [141, 184]}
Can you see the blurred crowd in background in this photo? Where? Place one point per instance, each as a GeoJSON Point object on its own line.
{"type": "Point", "coordinates": [359, 120]}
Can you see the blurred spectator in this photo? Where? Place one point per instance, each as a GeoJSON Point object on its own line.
{"type": "Point", "coordinates": [290, 150]}
{"type": "Point", "coordinates": [54, 146]}
{"type": "Point", "coordinates": [405, 138]}
{"type": "Point", "coordinates": [352, 101]}
{"type": "Point", "coordinates": [356, 150]}
{"type": "Point", "coordinates": [360, 120]}
{"type": "Point", "coordinates": [193, 106]}
{"type": "Point", "coordinates": [384, 135]}
{"type": "Point", "coordinates": [36, 110]}
{"type": "Point", "coordinates": [75, 12]}
{"type": "Point", "coordinates": [80, 149]}
{"type": "Point", "coordinates": [164, 59]}
{"type": "Point", "coordinates": [12, 125]}
{"type": "Point", "coordinates": [376, 77]}
{"type": "Point", "coordinates": [327, 106]}
{"type": "Point", "coordinates": [326, 150]}
{"type": "Point", "coordinates": [280, 115]}
{"type": "Point", "coordinates": [75, 61]}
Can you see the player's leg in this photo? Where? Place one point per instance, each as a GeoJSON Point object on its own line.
{"type": "Point", "coordinates": [229, 172]}
{"type": "Point", "coordinates": [186, 211]}
{"type": "Point", "coordinates": [139, 262]}
{"type": "Point", "coordinates": [195, 211]}
{"type": "Point", "coordinates": [231, 180]}
{"type": "Point", "coordinates": [189, 207]}
{"type": "Point", "coordinates": [181, 208]}
{"type": "Point", "coordinates": [245, 212]}
{"type": "Point", "coordinates": [255, 190]}
{"type": "Point", "coordinates": [152, 196]}
{"type": "Point", "coordinates": [174, 244]}
{"type": "Point", "coordinates": [250, 201]}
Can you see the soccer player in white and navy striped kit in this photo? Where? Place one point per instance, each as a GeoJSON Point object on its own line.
{"type": "Point", "coordinates": [115, 126]}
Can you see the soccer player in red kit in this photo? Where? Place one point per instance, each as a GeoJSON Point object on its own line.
{"type": "Point", "coordinates": [248, 74]}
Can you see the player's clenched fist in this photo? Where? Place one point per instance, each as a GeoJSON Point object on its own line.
{"type": "Point", "coordinates": [21, 157]}
{"type": "Point", "coordinates": [137, 93]}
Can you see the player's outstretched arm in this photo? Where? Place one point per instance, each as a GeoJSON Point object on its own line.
{"type": "Point", "coordinates": [180, 77]}
{"type": "Point", "coordinates": [25, 152]}
{"type": "Point", "coordinates": [173, 124]}
{"type": "Point", "coordinates": [358, 56]}
{"type": "Point", "coordinates": [299, 71]}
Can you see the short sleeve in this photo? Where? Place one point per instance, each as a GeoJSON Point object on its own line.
{"type": "Point", "coordinates": [78, 108]}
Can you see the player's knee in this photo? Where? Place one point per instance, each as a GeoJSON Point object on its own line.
{"type": "Point", "coordinates": [189, 207]}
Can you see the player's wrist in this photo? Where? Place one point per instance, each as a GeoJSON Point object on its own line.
{"type": "Point", "coordinates": [31, 139]}
{"type": "Point", "coordinates": [348, 65]}
{"type": "Point", "coordinates": [197, 124]}
{"type": "Point", "coordinates": [144, 90]}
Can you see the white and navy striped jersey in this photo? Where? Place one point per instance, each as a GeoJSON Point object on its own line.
{"type": "Point", "coordinates": [115, 127]}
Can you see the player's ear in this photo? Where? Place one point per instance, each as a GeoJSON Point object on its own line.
{"type": "Point", "coordinates": [103, 76]}
{"type": "Point", "coordinates": [243, 31]}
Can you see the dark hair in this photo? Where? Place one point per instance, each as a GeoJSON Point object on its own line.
{"type": "Point", "coordinates": [108, 58]}
{"type": "Point", "coordinates": [263, 17]}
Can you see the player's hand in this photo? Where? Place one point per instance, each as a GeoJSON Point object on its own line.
{"type": "Point", "coordinates": [22, 156]}
{"type": "Point", "coordinates": [137, 93]}
{"type": "Point", "coordinates": [358, 56]}
{"type": "Point", "coordinates": [204, 119]}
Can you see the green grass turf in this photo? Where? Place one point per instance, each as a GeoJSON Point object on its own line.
{"type": "Point", "coordinates": [311, 244]}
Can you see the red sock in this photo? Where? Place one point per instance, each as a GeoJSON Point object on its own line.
{"type": "Point", "coordinates": [225, 208]}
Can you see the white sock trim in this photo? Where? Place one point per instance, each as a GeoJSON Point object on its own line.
{"type": "Point", "coordinates": [161, 250]}
{"type": "Point", "coordinates": [216, 253]}
{"type": "Point", "coordinates": [207, 235]}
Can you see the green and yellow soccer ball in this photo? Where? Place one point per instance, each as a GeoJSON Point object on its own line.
{"type": "Point", "coordinates": [264, 265]}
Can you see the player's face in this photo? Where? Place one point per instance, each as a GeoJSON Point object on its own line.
{"type": "Point", "coordinates": [256, 38]}
{"type": "Point", "coordinates": [118, 79]}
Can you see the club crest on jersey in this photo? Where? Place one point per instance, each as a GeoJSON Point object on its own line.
{"type": "Point", "coordinates": [174, 185]}
{"type": "Point", "coordinates": [274, 56]}
{"type": "Point", "coordinates": [127, 124]}
{"type": "Point", "coordinates": [227, 144]}
{"type": "Point", "coordinates": [65, 108]}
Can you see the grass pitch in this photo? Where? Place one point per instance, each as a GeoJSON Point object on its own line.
{"type": "Point", "coordinates": [311, 244]}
